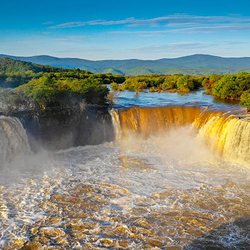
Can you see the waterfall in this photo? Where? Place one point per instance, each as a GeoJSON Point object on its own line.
{"type": "Point", "coordinates": [116, 124]}
{"type": "Point", "coordinates": [13, 139]}
{"type": "Point", "coordinates": [224, 133]}
{"type": "Point", "coordinates": [230, 136]}
{"type": "Point", "coordinates": [148, 121]}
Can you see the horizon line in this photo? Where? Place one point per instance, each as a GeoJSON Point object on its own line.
{"type": "Point", "coordinates": [162, 58]}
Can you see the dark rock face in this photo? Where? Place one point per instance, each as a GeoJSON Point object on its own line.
{"type": "Point", "coordinates": [64, 128]}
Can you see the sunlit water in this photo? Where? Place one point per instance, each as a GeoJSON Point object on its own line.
{"type": "Point", "coordinates": [147, 99]}
{"type": "Point", "coordinates": [169, 191]}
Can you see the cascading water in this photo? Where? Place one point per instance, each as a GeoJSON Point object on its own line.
{"type": "Point", "coordinates": [13, 139]}
{"type": "Point", "coordinates": [230, 135]}
{"type": "Point", "coordinates": [148, 121]}
{"type": "Point", "coordinates": [159, 187]}
{"type": "Point", "coordinates": [224, 133]}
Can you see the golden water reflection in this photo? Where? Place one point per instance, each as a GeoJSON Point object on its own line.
{"type": "Point", "coordinates": [72, 214]}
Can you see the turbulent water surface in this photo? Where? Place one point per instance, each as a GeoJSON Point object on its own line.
{"type": "Point", "coordinates": [159, 185]}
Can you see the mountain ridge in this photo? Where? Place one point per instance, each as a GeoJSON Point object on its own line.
{"type": "Point", "coordinates": [200, 64]}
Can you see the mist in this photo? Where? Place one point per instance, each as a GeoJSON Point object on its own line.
{"type": "Point", "coordinates": [176, 145]}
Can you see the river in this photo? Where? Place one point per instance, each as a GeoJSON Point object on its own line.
{"type": "Point", "coordinates": [175, 177]}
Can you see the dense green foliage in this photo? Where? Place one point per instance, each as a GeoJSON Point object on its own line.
{"type": "Point", "coordinates": [59, 89]}
{"type": "Point", "coordinates": [228, 86]}
{"type": "Point", "coordinates": [42, 87]}
{"type": "Point", "coordinates": [160, 83]}
{"type": "Point", "coordinates": [233, 87]}
{"type": "Point", "coordinates": [245, 99]}
{"type": "Point", "coordinates": [14, 73]}
{"type": "Point", "coordinates": [55, 90]}
{"type": "Point", "coordinates": [10, 66]}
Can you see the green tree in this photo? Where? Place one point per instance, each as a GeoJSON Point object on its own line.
{"type": "Point", "coordinates": [114, 86]}
{"type": "Point", "coordinates": [185, 82]}
{"type": "Point", "coordinates": [232, 86]}
{"type": "Point", "coordinates": [245, 99]}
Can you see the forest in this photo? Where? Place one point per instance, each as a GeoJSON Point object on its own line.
{"type": "Point", "coordinates": [159, 83]}
{"type": "Point", "coordinates": [29, 86]}
{"type": "Point", "coordinates": [14, 72]}
{"type": "Point", "coordinates": [232, 87]}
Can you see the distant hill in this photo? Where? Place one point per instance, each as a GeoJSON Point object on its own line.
{"type": "Point", "coordinates": [194, 64]}
{"type": "Point", "coordinates": [10, 66]}
{"type": "Point", "coordinates": [14, 73]}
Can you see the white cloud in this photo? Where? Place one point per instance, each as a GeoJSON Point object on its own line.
{"type": "Point", "coordinates": [177, 23]}
{"type": "Point", "coordinates": [191, 29]}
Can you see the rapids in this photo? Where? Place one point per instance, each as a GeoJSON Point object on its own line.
{"type": "Point", "coordinates": [176, 177]}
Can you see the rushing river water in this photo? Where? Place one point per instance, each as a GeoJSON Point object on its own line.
{"type": "Point", "coordinates": [170, 180]}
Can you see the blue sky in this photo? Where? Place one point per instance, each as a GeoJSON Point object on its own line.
{"type": "Point", "coordinates": [99, 29]}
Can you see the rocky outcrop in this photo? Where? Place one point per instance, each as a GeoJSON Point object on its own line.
{"type": "Point", "coordinates": [64, 128]}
